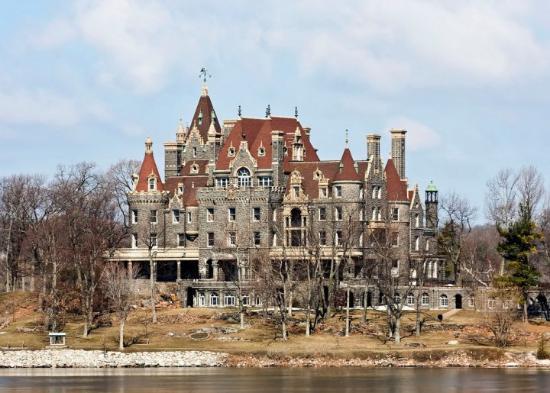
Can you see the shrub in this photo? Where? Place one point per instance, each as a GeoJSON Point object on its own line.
{"type": "Point", "coordinates": [542, 353]}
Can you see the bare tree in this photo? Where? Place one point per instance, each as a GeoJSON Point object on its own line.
{"type": "Point", "coordinates": [530, 190]}
{"type": "Point", "coordinates": [458, 215]}
{"type": "Point", "coordinates": [120, 177]}
{"type": "Point", "coordinates": [501, 198]}
{"type": "Point", "coordinates": [118, 284]}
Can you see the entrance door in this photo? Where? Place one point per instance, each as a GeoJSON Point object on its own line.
{"type": "Point", "coordinates": [458, 301]}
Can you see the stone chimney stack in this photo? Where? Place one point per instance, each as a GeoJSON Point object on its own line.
{"type": "Point", "coordinates": [373, 149]}
{"type": "Point", "coordinates": [398, 151]}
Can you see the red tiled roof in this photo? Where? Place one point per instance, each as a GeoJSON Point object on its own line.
{"type": "Point", "coordinates": [148, 167]}
{"type": "Point", "coordinates": [257, 133]}
{"type": "Point", "coordinates": [346, 170]}
{"type": "Point", "coordinates": [396, 188]}
{"type": "Point", "coordinates": [205, 107]}
{"type": "Point", "coordinates": [190, 186]}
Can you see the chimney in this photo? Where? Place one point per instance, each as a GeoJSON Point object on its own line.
{"type": "Point", "coordinates": [398, 150]}
{"type": "Point", "coordinates": [373, 149]}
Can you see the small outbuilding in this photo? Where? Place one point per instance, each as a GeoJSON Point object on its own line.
{"type": "Point", "coordinates": [57, 340]}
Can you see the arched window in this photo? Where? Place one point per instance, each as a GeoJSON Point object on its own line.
{"type": "Point", "coordinates": [243, 176]}
{"type": "Point", "coordinates": [443, 301]}
{"type": "Point", "coordinates": [410, 299]}
{"type": "Point", "coordinates": [425, 299]}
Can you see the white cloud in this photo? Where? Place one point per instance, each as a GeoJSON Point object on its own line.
{"type": "Point", "coordinates": [42, 107]}
{"type": "Point", "coordinates": [419, 135]}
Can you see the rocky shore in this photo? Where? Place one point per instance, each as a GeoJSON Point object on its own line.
{"type": "Point", "coordinates": [72, 358]}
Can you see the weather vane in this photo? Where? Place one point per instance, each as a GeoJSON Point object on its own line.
{"type": "Point", "coordinates": [204, 75]}
{"type": "Point", "coordinates": [296, 112]}
{"type": "Point", "coordinates": [239, 112]}
{"type": "Point", "coordinates": [347, 137]}
{"type": "Point", "coordinates": [268, 111]}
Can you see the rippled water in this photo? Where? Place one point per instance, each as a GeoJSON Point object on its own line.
{"type": "Point", "coordinates": [275, 380]}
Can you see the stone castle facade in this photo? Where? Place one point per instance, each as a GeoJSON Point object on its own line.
{"type": "Point", "coordinates": [251, 186]}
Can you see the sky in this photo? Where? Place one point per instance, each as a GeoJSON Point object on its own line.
{"type": "Point", "coordinates": [469, 80]}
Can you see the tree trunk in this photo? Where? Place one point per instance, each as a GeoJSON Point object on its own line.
{"type": "Point", "coordinates": [152, 274]}
{"type": "Point", "coordinates": [365, 300]}
{"type": "Point", "coordinates": [347, 312]}
{"type": "Point", "coordinates": [121, 335]}
{"type": "Point", "coordinates": [241, 315]}
{"type": "Point", "coordinates": [525, 304]}
{"type": "Point", "coordinates": [418, 324]}
{"type": "Point", "coordinates": [283, 327]}
{"type": "Point", "coordinates": [397, 332]}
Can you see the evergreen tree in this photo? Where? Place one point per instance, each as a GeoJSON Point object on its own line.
{"type": "Point", "coordinates": [519, 242]}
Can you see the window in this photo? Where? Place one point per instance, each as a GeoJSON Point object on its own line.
{"type": "Point", "coordinates": [210, 239]}
{"type": "Point", "coordinates": [189, 218]}
{"type": "Point", "coordinates": [491, 303]}
{"type": "Point", "coordinates": [261, 152]}
{"type": "Point", "coordinates": [274, 215]}
{"type": "Point", "coordinates": [210, 214]}
{"type": "Point", "coordinates": [175, 216]}
{"type": "Point", "coordinates": [152, 183]}
{"type": "Point", "coordinates": [180, 189]}
{"type": "Point", "coordinates": [229, 300]}
{"type": "Point", "coordinates": [374, 192]}
{"type": "Point", "coordinates": [471, 302]}
{"type": "Point", "coordinates": [338, 238]}
{"type": "Point", "coordinates": [153, 240]}
{"type": "Point", "coordinates": [417, 244]}
{"type": "Point", "coordinates": [194, 169]}
{"type": "Point", "coordinates": [201, 300]}
{"type": "Point", "coordinates": [153, 217]}
{"type": "Point", "coordinates": [214, 299]}
{"type": "Point", "coordinates": [134, 216]}
{"type": "Point", "coordinates": [134, 240]}
{"type": "Point", "coordinates": [256, 214]}
{"type": "Point", "coordinates": [222, 182]}
{"type": "Point", "coordinates": [338, 213]}
{"type": "Point", "coordinates": [395, 239]}
{"type": "Point", "coordinates": [443, 301]}
{"type": "Point", "coordinates": [194, 152]}
{"type": "Point", "coordinates": [338, 191]}
{"type": "Point", "coordinates": [274, 240]}
{"type": "Point", "coordinates": [425, 300]}
{"type": "Point", "coordinates": [231, 152]}
{"type": "Point", "coordinates": [323, 192]}
{"type": "Point", "coordinates": [397, 298]}
{"type": "Point", "coordinates": [417, 220]}
{"type": "Point", "coordinates": [232, 239]}
{"type": "Point", "coordinates": [265, 181]}
{"type": "Point", "coordinates": [376, 214]}
{"type": "Point", "coordinates": [243, 177]}
{"type": "Point", "coordinates": [395, 214]}
{"type": "Point", "coordinates": [245, 300]}
{"type": "Point", "coordinates": [410, 299]}
{"type": "Point", "coordinates": [427, 247]}
{"type": "Point", "coordinates": [361, 193]}
{"type": "Point", "coordinates": [322, 238]}
{"type": "Point", "coordinates": [257, 238]}
{"type": "Point", "coordinates": [181, 240]}
{"type": "Point", "coordinates": [379, 192]}
{"type": "Point", "coordinates": [231, 214]}
{"type": "Point", "coordinates": [322, 213]}
{"type": "Point", "coordinates": [296, 191]}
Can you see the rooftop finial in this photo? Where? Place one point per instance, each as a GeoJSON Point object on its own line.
{"type": "Point", "coordinates": [347, 137]}
{"type": "Point", "coordinates": [148, 145]}
{"type": "Point", "coordinates": [239, 111]}
{"type": "Point", "coordinates": [296, 112]}
{"type": "Point", "coordinates": [204, 75]}
{"type": "Point", "coordinates": [268, 111]}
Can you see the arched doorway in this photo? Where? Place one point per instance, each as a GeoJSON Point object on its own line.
{"type": "Point", "coordinates": [458, 301]}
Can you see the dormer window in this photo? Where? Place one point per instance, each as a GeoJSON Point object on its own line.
{"type": "Point", "coordinates": [194, 169]}
{"type": "Point", "coordinates": [180, 189]}
{"type": "Point", "coordinates": [152, 184]}
{"type": "Point", "coordinates": [261, 152]}
{"type": "Point", "coordinates": [231, 152]}
{"type": "Point", "coordinates": [200, 118]}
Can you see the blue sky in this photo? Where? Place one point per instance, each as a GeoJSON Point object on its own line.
{"type": "Point", "coordinates": [90, 80]}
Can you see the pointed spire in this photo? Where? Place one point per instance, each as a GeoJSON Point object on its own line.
{"type": "Point", "coordinates": [180, 132]}
{"type": "Point", "coordinates": [149, 177]}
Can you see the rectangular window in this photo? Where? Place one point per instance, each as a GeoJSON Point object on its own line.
{"type": "Point", "coordinates": [274, 240]}
{"type": "Point", "coordinates": [134, 240]}
{"type": "Point", "coordinates": [274, 215]}
{"type": "Point", "coordinates": [213, 300]}
{"type": "Point", "coordinates": [322, 213]}
{"type": "Point", "coordinates": [189, 218]}
{"type": "Point", "coordinates": [153, 240]}
{"type": "Point", "coordinates": [257, 238]}
{"type": "Point", "coordinates": [231, 214]}
{"type": "Point", "coordinates": [323, 192]}
{"type": "Point", "coordinates": [181, 240]}
{"type": "Point", "coordinates": [256, 214]}
{"type": "Point", "coordinates": [374, 192]}
{"type": "Point", "coordinates": [265, 181]}
{"type": "Point", "coordinates": [296, 191]}
{"type": "Point", "coordinates": [229, 300]}
{"type": "Point", "coordinates": [222, 182]}
{"type": "Point", "coordinates": [152, 184]}
{"type": "Point", "coordinates": [153, 217]}
{"type": "Point", "coordinates": [175, 216]}
{"type": "Point", "coordinates": [210, 214]}
{"type": "Point", "coordinates": [338, 238]}
{"type": "Point", "coordinates": [395, 214]}
{"type": "Point", "coordinates": [232, 239]}
{"type": "Point", "coordinates": [338, 191]}
{"type": "Point", "coordinates": [339, 215]}
{"type": "Point", "coordinates": [417, 220]}
{"type": "Point", "coordinates": [322, 238]}
{"type": "Point", "coordinates": [395, 239]}
{"type": "Point", "coordinates": [417, 244]}
{"type": "Point", "coordinates": [210, 239]}
{"type": "Point", "coordinates": [134, 216]}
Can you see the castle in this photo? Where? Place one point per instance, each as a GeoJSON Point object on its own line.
{"type": "Point", "coordinates": [249, 185]}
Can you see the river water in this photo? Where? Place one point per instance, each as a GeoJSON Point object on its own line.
{"type": "Point", "coordinates": [221, 380]}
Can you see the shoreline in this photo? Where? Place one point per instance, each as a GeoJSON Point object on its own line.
{"type": "Point", "coordinates": [96, 359]}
